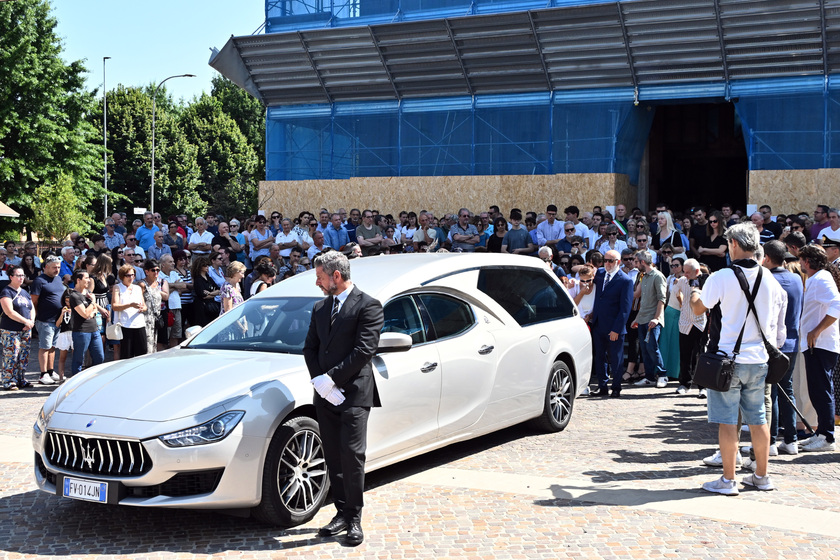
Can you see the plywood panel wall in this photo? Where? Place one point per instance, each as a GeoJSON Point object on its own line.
{"type": "Point", "coordinates": [789, 191]}
{"type": "Point", "coordinates": [441, 195]}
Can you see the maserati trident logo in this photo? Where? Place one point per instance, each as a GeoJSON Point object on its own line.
{"type": "Point", "coordinates": [88, 455]}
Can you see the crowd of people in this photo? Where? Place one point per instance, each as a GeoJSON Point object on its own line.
{"type": "Point", "coordinates": [137, 286]}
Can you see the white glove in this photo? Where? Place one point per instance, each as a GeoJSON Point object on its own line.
{"type": "Point", "coordinates": [334, 397]}
{"type": "Point", "coordinates": [323, 384]}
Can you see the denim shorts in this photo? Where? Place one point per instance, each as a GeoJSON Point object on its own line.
{"type": "Point", "coordinates": [47, 334]}
{"type": "Point", "coordinates": [746, 393]}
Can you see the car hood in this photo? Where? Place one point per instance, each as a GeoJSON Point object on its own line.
{"type": "Point", "coordinates": [174, 384]}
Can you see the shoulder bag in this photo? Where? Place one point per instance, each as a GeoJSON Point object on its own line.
{"type": "Point", "coordinates": [714, 370]}
{"type": "Point", "coordinates": [777, 363]}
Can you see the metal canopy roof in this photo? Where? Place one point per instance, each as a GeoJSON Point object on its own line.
{"type": "Point", "coordinates": [619, 44]}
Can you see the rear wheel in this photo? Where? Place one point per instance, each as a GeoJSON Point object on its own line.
{"type": "Point", "coordinates": [559, 399]}
{"type": "Point", "coordinates": [295, 482]}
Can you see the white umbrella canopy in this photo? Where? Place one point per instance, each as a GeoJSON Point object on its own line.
{"type": "Point", "coordinates": [6, 212]}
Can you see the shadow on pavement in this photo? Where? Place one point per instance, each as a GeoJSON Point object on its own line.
{"type": "Point", "coordinates": [563, 497]}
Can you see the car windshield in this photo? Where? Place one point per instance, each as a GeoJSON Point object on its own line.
{"type": "Point", "coordinates": [260, 324]}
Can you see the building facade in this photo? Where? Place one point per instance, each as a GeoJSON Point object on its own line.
{"type": "Point", "coordinates": [418, 103]}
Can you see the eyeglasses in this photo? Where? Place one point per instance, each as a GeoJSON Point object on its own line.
{"type": "Point", "coordinates": [119, 252]}
{"type": "Point", "coordinates": [131, 274]}
{"type": "Point", "coordinates": [628, 259]}
{"type": "Point", "coordinates": [551, 213]}
{"type": "Point", "coordinates": [130, 239]}
{"type": "Point", "coordinates": [667, 252]}
{"type": "Point", "coordinates": [675, 265]}
{"type": "Point", "coordinates": [18, 275]}
{"type": "Point", "coordinates": [570, 229]}
{"type": "Point", "coordinates": [713, 221]}
{"type": "Point", "coordinates": [613, 234]}
{"type": "Point", "coordinates": [465, 216]}
{"type": "Point", "coordinates": [795, 227]}
{"type": "Point", "coordinates": [611, 260]}
{"type": "Point", "coordinates": [642, 240]}
{"type": "Point", "coordinates": [154, 269]}
{"type": "Point", "coordinates": [586, 281]}
{"type": "Point", "coordinates": [129, 255]}
{"type": "Point", "coordinates": [575, 244]}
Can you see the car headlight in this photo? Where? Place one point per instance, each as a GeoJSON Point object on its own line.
{"type": "Point", "coordinates": [212, 431]}
{"type": "Point", "coordinates": [41, 422]}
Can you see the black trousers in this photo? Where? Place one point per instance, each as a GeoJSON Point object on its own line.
{"type": "Point", "coordinates": [689, 351]}
{"type": "Point", "coordinates": [344, 436]}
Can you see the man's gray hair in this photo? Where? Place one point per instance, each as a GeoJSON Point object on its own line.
{"type": "Point", "coordinates": [332, 261]}
{"type": "Point", "coordinates": [745, 235]}
{"type": "Point", "coordinates": [645, 257]}
{"type": "Point", "coordinates": [545, 250]}
{"type": "Point", "coordinates": [68, 250]}
{"type": "Point", "coordinates": [693, 264]}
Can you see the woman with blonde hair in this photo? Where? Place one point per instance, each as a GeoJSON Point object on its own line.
{"type": "Point", "coordinates": [668, 234]}
{"type": "Point", "coordinates": [231, 294]}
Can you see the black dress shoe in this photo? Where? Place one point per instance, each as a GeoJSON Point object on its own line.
{"type": "Point", "coordinates": [602, 392]}
{"type": "Point", "coordinates": [334, 527]}
{"type": "Point", "coordinates": [354, 534]}
{"type": "Point", "coordinates": [615, 394]}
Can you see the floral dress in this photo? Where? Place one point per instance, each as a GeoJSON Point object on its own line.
{"type": "Point", "coordinates": [152, 297]}
{"type": "Point", "coordinates": [230, 291]}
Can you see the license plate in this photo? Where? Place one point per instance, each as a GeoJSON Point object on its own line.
{"type": "Point", "coordinates": [89, 490]}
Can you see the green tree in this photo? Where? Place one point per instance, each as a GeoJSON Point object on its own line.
{"type": "Point", "coordinates": [130, 155]}
{"type": "Point", "coordinates": [44, 127]}
{"type": "Point", "coordinates": [227, 160]}
{"type": "Point", "coordinates": [58, 211]}
{"type": "Point", "coordinates": [247, 112]}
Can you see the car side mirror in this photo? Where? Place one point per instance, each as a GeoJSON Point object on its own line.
{"type": "Point", "coordinates": [394, 342]}
{"type": "Point", "coordinates": [192, 331]}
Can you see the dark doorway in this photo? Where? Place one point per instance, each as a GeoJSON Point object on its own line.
{"type": "Point", "coordinates": [697, 157]}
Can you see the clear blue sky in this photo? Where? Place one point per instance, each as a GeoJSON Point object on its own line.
{"type": "Point", "coordinates": [151, 40]}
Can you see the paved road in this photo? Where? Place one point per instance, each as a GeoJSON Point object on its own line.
{"type": "Point", "coordinates": [623, 481]}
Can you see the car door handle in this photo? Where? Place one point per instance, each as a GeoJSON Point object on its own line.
{"type": "Point", "coordinates": [485, 349]}
{"type": "Point", "coordinates": [428, 366]}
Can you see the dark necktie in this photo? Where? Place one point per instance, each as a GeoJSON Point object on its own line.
{"type": "Point", "coordinates": [606, 280]}
{"type": "Point", "coordinates": [334, 311]}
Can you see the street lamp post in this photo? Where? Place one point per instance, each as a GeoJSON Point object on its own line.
{"type": "Point", "coordinates": [154, 95]}
{"type": "Point", "coordinates": [105, 132]}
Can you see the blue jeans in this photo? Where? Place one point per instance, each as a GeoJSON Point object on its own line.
{"type": "Point", "coordinates": [783, 413]}
{"type": "Point", "coordinates": [651, 355]}
{"type": "Point", "coordinates": [83, 341]}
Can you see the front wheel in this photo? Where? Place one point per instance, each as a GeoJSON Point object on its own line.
{"type": "Point", "coordinates": [295, 481]}
{"type": "Point", "coordinates": [559, 399]}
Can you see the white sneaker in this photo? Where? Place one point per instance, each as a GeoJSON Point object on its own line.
{"type": "Point", "coordinates": [585, 392]}
{"type": "Point", "coordinates": [644, 382]}
{"type": "Point", "coordinates": [749, 464]}
{"type": "Point", "coordinates": [721, 486]}
{"type": "Point", "coordinates": [682, 390]}
{"type": "Point", "coordinates": [661, 382]}
{"type": "Point", "coordinates": [774, 450]}
{"type": "Point", "coordinates": [717, 461]}
{"type": "Point", "coordinates": [702, 394]}
{"type": "Point", "coordinates": [817, 443]}
{"type": "Point", "coordinates": [758, 482]}
{"type": "Point", "coordinates": [55, 377]}
{"type": "Point", "coordinates": [789, 448]}
{"type": "Point", "coordinates": [46, 379]}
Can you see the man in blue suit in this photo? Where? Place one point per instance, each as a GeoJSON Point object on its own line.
{"type": "Point", "coordinates": [613, 300]}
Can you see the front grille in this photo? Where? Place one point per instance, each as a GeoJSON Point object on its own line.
{"type": "Point", "coordinates": [182, 484]}
{"type": "Point", "coordinates": [110, 457]}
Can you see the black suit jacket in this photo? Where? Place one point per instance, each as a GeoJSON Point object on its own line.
{"type": "Point", "coordinates": [344, 351]}
{"type": "Point", "coordinates": [612, 306]}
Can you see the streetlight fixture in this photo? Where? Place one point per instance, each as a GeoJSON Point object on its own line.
{"type": "Point", "coordinates": [154, 96]}
{"type": "Point", "coordinates": [105, 132]}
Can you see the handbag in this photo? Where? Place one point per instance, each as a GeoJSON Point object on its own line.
{"type": "Point", "coordinates": [777, 363]}
{"type": "Point", "coordinates": [113, 331]}
{"type": "Point", "coordinates": [714, 370]}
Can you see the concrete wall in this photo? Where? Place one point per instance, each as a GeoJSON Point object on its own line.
{"type": "Point", "coordinates": [440, 195]}
{"type": "Point", "coordinates": [788, 191]}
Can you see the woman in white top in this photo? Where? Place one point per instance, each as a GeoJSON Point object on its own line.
{"type": "Point", "coordinates": [582, 290]}
{"type": "Point", "coordinates": [820, 339]}
{"type": "Point", "coordinates": [407, 232]}
{"type": "Point", "coordinates": [128, 305]}
{"type": "Point", "coordinates": [266, 274]}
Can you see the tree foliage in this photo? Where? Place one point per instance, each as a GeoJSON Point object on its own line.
{"type": "Point", "coordinates": [44, 128]}
{"type": "Point", "coordinates": [130, 155]}
{"type": "Point", "coordinates": [247, 112]}
{"type": "Point", "coordinates": [58, 211]}
{"type": "Point", "coordinates": [227, 160]}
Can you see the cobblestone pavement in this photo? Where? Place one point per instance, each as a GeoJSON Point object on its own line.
{"type": "Point", "coordinates": [622, 481]}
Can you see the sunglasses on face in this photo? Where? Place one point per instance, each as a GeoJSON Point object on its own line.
{"type": "Point", "coordinates": [675, 265]}
{"type": "Point", "coordinates": [575, 244]}
{"type": "Point", "coordinates": [611, 260]}
{"type": "Point", "coordinates": [628, 259]}
{"type": "Point", "coordinates": [667, 253]}
{"type": "Point", "coordinates": [570, 229]}
{"type": "Point", "coordinates": [713, 221]}
{"type": "Point", "coordinates": [613, 234]}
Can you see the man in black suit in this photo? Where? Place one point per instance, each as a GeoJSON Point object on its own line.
{"type": "Point", "coordinates": [608, 321]}
{"type": "Point", "coordinates": [343, 337]}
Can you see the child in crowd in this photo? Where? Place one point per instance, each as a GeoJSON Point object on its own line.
{"type": "Point", "coordinates": [65, 334]}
